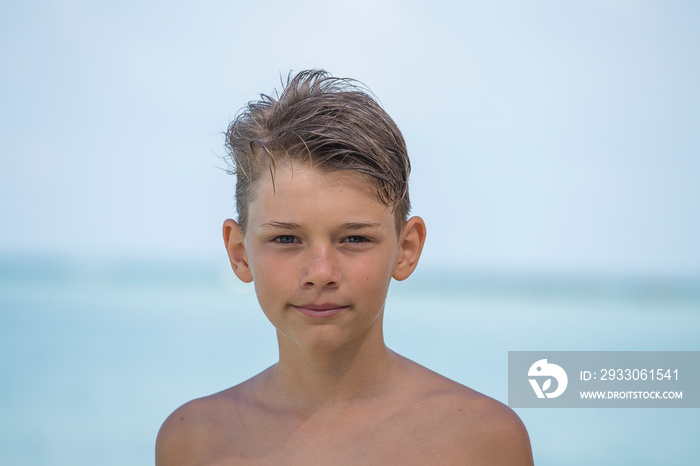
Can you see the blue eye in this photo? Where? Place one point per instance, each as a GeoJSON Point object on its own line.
{"type": "Point", "coordinates": [356, 239]}
{"type": "Point", "coordinates": [285, 239]}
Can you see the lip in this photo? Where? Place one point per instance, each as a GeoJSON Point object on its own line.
{"type": "Point", "coordinates": [320, 311]}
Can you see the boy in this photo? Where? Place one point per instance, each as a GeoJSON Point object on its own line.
{"type": "Point", "coordinates": [322, 198]}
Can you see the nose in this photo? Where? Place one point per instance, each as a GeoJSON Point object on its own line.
{"type": "Point", "coordinates": [320, 270]}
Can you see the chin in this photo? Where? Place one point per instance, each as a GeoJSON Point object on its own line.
{"type": "Point", "coordinates": [325, 340]}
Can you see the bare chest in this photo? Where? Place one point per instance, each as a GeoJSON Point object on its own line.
{"type": "Point", "coordinates": [400, 438]}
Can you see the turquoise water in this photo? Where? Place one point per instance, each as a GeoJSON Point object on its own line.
{"type": "Point", "coordinates": [94, 356]}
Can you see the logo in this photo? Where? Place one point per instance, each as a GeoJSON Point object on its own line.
{"type": "Point", "coordinates": [542, 369]}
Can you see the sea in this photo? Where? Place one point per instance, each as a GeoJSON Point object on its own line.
{"type": "Point", "coordinates": [94, 354]}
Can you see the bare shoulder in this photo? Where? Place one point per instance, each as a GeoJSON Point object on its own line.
{"type": "Point", "coordinates": [192, 431]}
{"type": "Point", "coordinates": [474, 428]}
{"type": "Point", "coordinates": [495, 434]}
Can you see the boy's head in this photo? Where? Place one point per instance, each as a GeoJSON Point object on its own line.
{"type": "Point", "coordinates": [330, 123]}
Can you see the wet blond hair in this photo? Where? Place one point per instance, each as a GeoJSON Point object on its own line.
{"type": "Point", "coordinates": [333, 124]}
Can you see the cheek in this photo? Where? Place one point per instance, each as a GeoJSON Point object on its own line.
{"type": "Point", "coordinates": [270, 273]}
{"type": "Point", "coordinates": [373, 274]}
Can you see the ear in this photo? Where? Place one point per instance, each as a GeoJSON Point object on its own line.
{"type": "Point", "coordinates": [235, 246]}
{"type": "Point", "coordinates": [411, 244]}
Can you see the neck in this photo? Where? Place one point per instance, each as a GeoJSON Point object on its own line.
{"type": "Point", "coordinates": [310, 379]}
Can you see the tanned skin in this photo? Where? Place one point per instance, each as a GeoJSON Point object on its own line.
{"type": "Point", "coordinates": [321, 250]}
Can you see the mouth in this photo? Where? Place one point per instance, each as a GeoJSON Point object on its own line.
{"type": "Point", "coordinates": [320, 311]}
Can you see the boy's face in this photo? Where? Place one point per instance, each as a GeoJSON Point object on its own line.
{"type": "Point", "coordinates": [321, 250]}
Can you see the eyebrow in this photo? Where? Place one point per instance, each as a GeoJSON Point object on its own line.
{"type": "Point", "coordinates": [280, 226]}
{"type": "Point", "coordinates": [359, 225]}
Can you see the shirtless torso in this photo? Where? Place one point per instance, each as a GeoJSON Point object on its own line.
{"type": "Point", "coordinates": [425, 419]}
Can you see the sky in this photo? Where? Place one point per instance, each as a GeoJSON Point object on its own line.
{"type": "Point", "coordinates": [545, 136]}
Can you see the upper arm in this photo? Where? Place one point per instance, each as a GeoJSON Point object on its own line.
{"type": "Point", "coordinates": [503, 439]}
{"type": "Point", "coordinates": [168, 443]}
{"type": "Point", "coordinates": [176, 444]}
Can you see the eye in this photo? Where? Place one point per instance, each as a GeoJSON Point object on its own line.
{"type": "Point", "coordinates": [285, 239]}
{"type": "Point", "coordinates": [356, 239]}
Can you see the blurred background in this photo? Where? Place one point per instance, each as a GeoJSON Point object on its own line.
{"type": "Point", "coordinates": [555, 160]}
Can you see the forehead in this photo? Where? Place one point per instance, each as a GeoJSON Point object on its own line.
{"type": "Point", "coordinates": [300, 189]}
